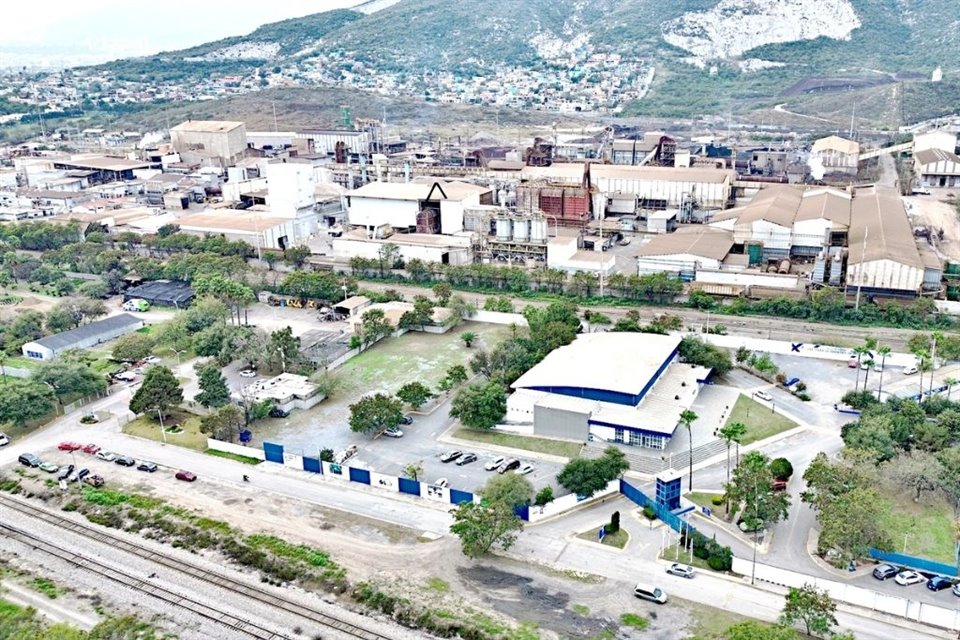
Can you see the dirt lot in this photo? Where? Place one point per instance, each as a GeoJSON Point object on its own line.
{"type": "Point", "coordinates": [932, 212]}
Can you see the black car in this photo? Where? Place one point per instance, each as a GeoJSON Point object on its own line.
{"type": "Point", "coordinates": [509, 465]}
{"type": "Point", "coordinates": [450, 456]}
{"type": "Point", "coordinates": [406, 420]}
{"type": "Point", "coordinates": [125, 461]}
{"type": "Point", "coordinates": [83, 473]}
{"type": "Point", "coordinates": [466, 458]}
{"type": "Point", "coordinates": [277, 412]}
{"type": "Point", "coordinates": [149, 467]}
{"type": "Point", "coordinates": [65, 472]}
{"type": "Point", "coordinates": [939, 583]}
{"type": "Point", "coordinates": [885, 571]}
{"type": "Point", "coordinates": [29, 460]}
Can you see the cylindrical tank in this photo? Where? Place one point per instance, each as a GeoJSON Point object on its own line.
{"type": "Point", "coordinates": [502, 197]}
{"type": "Point", "coordinates": [521, 230]}
{"type": "Point", "coordinates": [953, 268]}
{"type": "Point", "coordinates": [538, 230]}
{"type": "Point", "coordinates": [784, 266]}
{"type": "Point", "coordinates": [504, 229]}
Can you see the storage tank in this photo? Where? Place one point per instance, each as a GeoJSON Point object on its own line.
{"type": "Point", "coordinates": [502, 197]}
{"type": "Point", "coordinates": [504, 229]}
{"type": "Point", "coordinates": [521, 230]}
{"type": "Point", "coordinates": [784, 266]}
{"type": "Point", "coordinates": [538, 230]}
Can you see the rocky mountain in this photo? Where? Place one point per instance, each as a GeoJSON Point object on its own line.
{"type": "Point", "coordinates": [704, 52]}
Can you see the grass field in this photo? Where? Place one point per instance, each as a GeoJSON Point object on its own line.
{"type": "Point", "coordinates": [760, 421]}
{"type": "Point", "coordinates": [923, 529]}
{"type": "Point", "coordinates": [560, 448]}
{"type": "Point", "coordinates": [684, 557]}
{"type": "Point", "coordinates": [618, 539]}
{"type": "Point", "coordinates": [233, 456]}
{"type": "Point", "coordinates": [148, 427]}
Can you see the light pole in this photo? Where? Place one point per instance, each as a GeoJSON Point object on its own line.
{"type": "Point", "coordinates": [283, 359]}
{"type": "Point", "coordinates": [756, 532]}
{"type": "Point", "coordinates": [344, 288]}
{"type": "Point", "coordinates": [163, 432]}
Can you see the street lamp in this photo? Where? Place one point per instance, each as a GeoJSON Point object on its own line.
{"type": "Point", "coordinates": [163, 432]}
{"type": "Point", "coordinates": [344, 288]}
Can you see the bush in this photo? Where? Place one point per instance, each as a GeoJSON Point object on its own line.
{"type": "Point", "coordinates": [781, 468]}
{"type": "Point", "coordinates": [722, 560]}
{"type": "Point", "coordinates": [614, 524]}
{"type": "Point", "coordinates": [804, 396]}
{"type": "Point", "coordinates": [716, 501]}
{"type": "Point", "coordinates": [544, 496]}
{"type": "Point", "coordinates": [801, 386]}
{"type": "Point", "coordinates": [858, 399]}
{"type": "Point", "coordinates": [649, 513]}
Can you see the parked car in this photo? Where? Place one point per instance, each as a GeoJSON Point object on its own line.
{"type": "Point", "coordinates": [81, 474]}
{"type": "Point", "coordinates": [393, 432]}
{"type": "Point", "coordinates": [186, 476]}
{"type": "Point", "coordinates": [49, 467]}
{"type": "Point", "coordinates": [125, 461]}
{"type": "Point", "coordinates": [407, 420]}
{"type": "Point", "coordinates": [442, 483]}
{"type": "Point", "coordinates": [509, 465]}
{"type": "Point", "coordinates": [4, 440]}
{"type": "Point", "coordinates": [956, 590]}
{"type": "Point", "coordinates": [853, 363]}
{"type": "Point", "coordinates": [885, 571]}
{"type": "Point", "coordinates": [906, 578]}
{"type": "Point", "coordinates": [450, 456]}
{"type": "Point", "coordinates": [29, 460]}
{"type": "Point", "coordinates": [69, 446]}
{"type": "Point", "coordinates": [494, 464]}
{"type": "Point", "coordinates": [65, 472]}
{"type": "Point", "coordinates": [89, 418]}
{"type": "Point", "coordinates": [792, 381]}
{"type": "Point", "coordinates": [524, 469]}
{"type": "Point", "coordinates": [248, 373]}
{"type": "Point", "coordinates": [106, 456]}
{"type": "Point", "coordinates": [909, 371]}
{"type": "Point", "coordinates": [779, 485]}
{"type": "Point", "coordinates": [466, 458]}
{"type": "Point", "coordinates": [125, 376]}
{"type": "Point", "coordinates": [865, 365]}
{"type": "Point", "coordinates": [277, 412]}
{"type": "Point", "coordinates": [878, 367]}
{"type": "Point", "coordinates": [764, 395]}
{"type": "Point", "coordinates": [152, 360]}
{"type": "Point", "coordinates": [682, 570]}
{"type": "Point", "coordinates": [90, 448]}
{"type": "Point", "coordinates": [939, 583]}
{"type": "Point", "coordinates": [624, 242]}
{"type": "Point", "coordinates": [650, 592]}
{"type": "Point", "coordinates": [94, 480]}
{"type": "Point", "coordinates": [346, 454]}
{"type": "Point", "coordinates": [149, 467]}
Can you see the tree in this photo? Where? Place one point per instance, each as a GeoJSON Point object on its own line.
{"type": "Point", "coordinates": [24, 401]}
{"type": "Point", "coordinates": [58, 320]}
{"type": "Point", "coordinates": [457, 374]}
{"type": "Point", "coordinates": [544, 496]}
{"type": "Point", "coordinates": [213, 387]}
{"type": "Point", "coordinates": [468, 337]}
{"type": "Point", "coordinates": [373, 326]}
{"type": "Point", "coordinates": [442, 292]}
{"type": "Point", "coordinates": [285, 347]}
{"type": "Point", "coordinates": [132, 347]}
{"type": "Point", "coordinates": [68, 377]}
{"type": "Point", "coordinates": [730, 433]}
{"type": "Point", "coordinates": [481, 527]}
{"type": "Point", "coordinates": [222, 424]}
{"type": "Point", "coordinates": [950, 382]}
{"type": "Point", "coordinates": [297, 256]}
{"type": "Point", "coordinates": [414, 394]}
{"type": "Point", "coordinates": [949, 480]}
{"type": "Point", "coordinates": [916, 471]}
{"type": "Point", "coordinates": [696, 351]}
{"type": "Point", "coordinates": [883, 352]}
{"type": "Point", "coordinates": [752, 490]}
{"type": "Point", "coordinates": [375, 413]}
{"type": "Point", "coordinates": [585, 477]}
{"type": "Point", "coordinates": [687, 418]}
{"type": "Point", "coordinates": [480, 405]}
{"type": "Point", "coordinates": [326, 455]}
{"type": "Point", "coordinates": [781, 469]}
{"type": "Point", "coordinates": [741, 355]}
{"type": "Point", "coordinates": [509, 490]}
{"type": "Point", "coordinates": [413, 470]}
{"type": "Point", "coordinates": [160, 390]}
{"type": "Point", "coordinates": [811, 606]}
{"type": "Point", "coordinates": [420, 316]}
{"type": "Point", "coordinates": [387, 256]}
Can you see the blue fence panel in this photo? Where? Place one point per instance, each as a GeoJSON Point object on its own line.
{"type": "Point", "coordinates": [407, 485]}
{"type": "Point", "coordinates": [923, 564]}
{"type": "Point", "coordinates": [359, 475]}
{"type": "Point", "coordinates": [523, 512]}
{"type": "Point", "coordinates": [457, 496]}
{"type": "Point", "coordinates": [639, 497]}
{"type": "Point", "coordinates": [273, 452]}
{"type": "Point", "coordinates": [313, 465]}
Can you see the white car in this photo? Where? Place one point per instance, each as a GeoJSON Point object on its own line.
{"type": "Point", "coordinates": [248, 373]}
{"type": "Point", "coordinates": [907, 578]}
{"type": "Point", "coordinates": [909, 371]}
{"type": "Point", "coordinates": [493, 464]}
{"type": "Point", "coordinates": [763, 395]}
{"type": "Point", "coordinates": [4, 440]}
{"type": "Point", "coordinates": [682, 570]}
{"type": "Point", "coordinates": [108, 456]}
{"type": "Point", "coordinates": [443, 483]}
{"type": "Point", "coordinates": [878, 367]}
{"type": "Point", "coordinates": [525, 469]}
{"type": "Point", "coordinates": [393, 432]}
{"type": "Point", "coordinates": [152, 360]}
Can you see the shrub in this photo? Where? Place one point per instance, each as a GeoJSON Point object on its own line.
{"type": "Point", "coordinates": [544, 496]}
{"type": "Point", "coordinates": [781, 468]}
{"type": "Point", "coordinates": [716, 501]}
{"type": "Point", "coordinates": [614, 524]}
{"type": "Point", "coordinates": [649, 513]}
{"type": "Point", "coordinates": [721, 560]}
{"type": "Point", "coordinates": [858, 399]}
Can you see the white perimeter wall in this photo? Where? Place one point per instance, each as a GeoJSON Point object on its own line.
{"type": "Point", "coordinates": [743, 278]}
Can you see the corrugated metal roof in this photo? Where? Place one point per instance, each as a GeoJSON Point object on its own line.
{"type": "Point", "coordinates": [878, 216]}
{"type": "Point", "coordinates": [698, 241]}
{"type": "Point", "coordinates": [661, 174]}
{"type": "Point", "coordinates": [932, 156]}
{"type": "Point", "coordinates": [828, 204]}
{"type": "Point", "coordinates": [776, 204]}
{"type": "Point", "coordinates": [836, 143]}
{"type": "Point", "coordinates": [67, 339]}
{"type": "Point", "coordinates": [207, 126]}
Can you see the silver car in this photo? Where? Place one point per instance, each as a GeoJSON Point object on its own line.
{"type": "Point", "coordinates": [682, 570]}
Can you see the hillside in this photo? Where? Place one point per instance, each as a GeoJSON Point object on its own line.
{"type": "Point", "coordinates": [709, 56]}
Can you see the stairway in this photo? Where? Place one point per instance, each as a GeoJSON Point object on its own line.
{"type": "Point", "coordinates": [652, 463]}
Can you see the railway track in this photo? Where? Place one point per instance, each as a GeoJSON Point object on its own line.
{"type": "Point", "coordinates": [179, 565]}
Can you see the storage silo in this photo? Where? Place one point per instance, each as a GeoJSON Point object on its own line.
{"type": "Point", "coordinates": [521, 230]}
{"type": "Point", "coordinates": [504, 229]}
{"type": "Point", "coordinates": [538, 230]}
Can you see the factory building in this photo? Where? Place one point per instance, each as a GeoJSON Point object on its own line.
{"type": "Point", "coordinates": [627, 388]}
{"type": "Point", "coordinates": [83, 337]}
{"type": "Point", "coordinates": [685, 252]}
{"type": "Point", "coordinates": [213, 143]}
{"type": "Point", "coordinates": [837, 155]}
{"type": "Point", "coordinates": [660, 188]}
{"type": "Point", "coordinates": [442, 249]}
{"type": "Point", "coordinates": [560, 192]}
{"type": "Point", "coordinates": [936, 168]}
{"type": "Point", "coordinates": [423, 207]}
{"type": "Point", "coordinates": [258, 228]}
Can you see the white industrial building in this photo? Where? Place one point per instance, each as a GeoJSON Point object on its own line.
{"type": "Point", "coordinates": [939, 139]}
{"type": "Point", "coordinates": [210, 142]}
{"type": "Point", "coordinates": [291, 188]}
{"type": "Point", "coordinates": [432, 204]}
{"type": "Point", "coordinates": [628, 388]}
{"type": "Point", "coordinates": [838, 155]}
{"type": "Point", "coordinates": [936, 168]}
{"type": "Point", "coordinates": [83, 337]}
{"type": "Point", "coordinates": [660, 187]}
{"type": "Point", "coordinates": [442, 249]}
{"type": "Point", "coordinates": [258, 228]}
{"type": "Point", "coordinates": [564, 253]}
{"type": "Point", "coordinates": [685, 252]}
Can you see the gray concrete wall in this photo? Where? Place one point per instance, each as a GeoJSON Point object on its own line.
{"type": "Point", "coordinates": [557, 423]}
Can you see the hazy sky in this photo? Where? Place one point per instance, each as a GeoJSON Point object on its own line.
{"type": "Point", "coordinates": [40, 34]}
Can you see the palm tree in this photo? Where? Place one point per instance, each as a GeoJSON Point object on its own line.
{"type": "Point", "coordinates": [860, 351]}
{"type": "Point", "coordinates": [950, 382]}
{"type": "Point", "coordinates": [869, 362]}
{"type": "Point", "coordinates": [884, 351]}
{"type": "Point", "coordinates": [687, 417]}
{"type": "Point", "coordinates": [923, 360]}
{"type": "Point", "coordinates": [732, 432]}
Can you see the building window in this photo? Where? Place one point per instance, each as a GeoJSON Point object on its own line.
{"type": "Point", "coordinates": [35, 355]}
{"type": "Point", "coordinates": [618, 435]}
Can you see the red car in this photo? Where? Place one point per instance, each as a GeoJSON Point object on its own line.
{"type": "Point", "coordinates": [186, 476]}
{"type": "Point", "coordinates": [91, 448]}
{"type": "Point", "coordinates": [69, 446]}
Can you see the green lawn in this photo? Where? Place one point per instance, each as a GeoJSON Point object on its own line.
{"type": "Point", "coordinates": [618, 539]}
{"type": "Point", "coordinates": [926, 527]}
{"type": "Point", "coordinates": [148, 427]}
{"type": "Point", "coordinates": [670, 553]}
{"type": "Point", "coordinates": [20, 362]}
{"type": "Point", "coordinates": [702, 499]}
{"type": "Point", "coordinates": [233, 456]}
{"type": "Point", "coordinates": [760, 421]}
{"type": "Point", "coordinates": [560, 448]}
